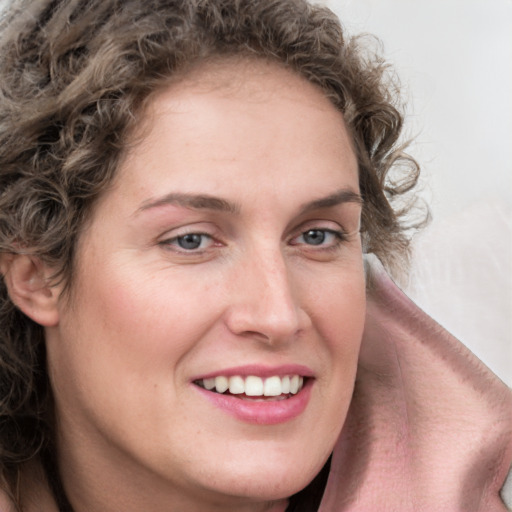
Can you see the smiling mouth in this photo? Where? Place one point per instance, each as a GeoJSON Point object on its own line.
{"type": "Point", "coordinates": [253, 388]}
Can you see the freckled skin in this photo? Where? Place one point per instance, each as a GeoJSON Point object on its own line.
{"type": "Point", "coordinates": [148, 315]}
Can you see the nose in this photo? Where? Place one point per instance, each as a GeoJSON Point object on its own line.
{"type": "Point", "coordinates": [266, 303]}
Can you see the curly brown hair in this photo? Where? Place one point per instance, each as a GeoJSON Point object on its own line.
{"type": "Point", "coordinates": [74, 78]}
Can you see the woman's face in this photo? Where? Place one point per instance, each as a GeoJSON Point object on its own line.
{"type": "Point", "coordinates": [226, 253]}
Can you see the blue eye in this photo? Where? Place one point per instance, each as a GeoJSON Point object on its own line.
{"type": "Point", "coordinates": [318, 237]}
{"type": "Point", "coordinates": [314, 237]}
{"type": "Point", "coordinates": [190, 241]}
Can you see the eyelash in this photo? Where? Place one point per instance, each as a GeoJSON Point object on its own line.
{"type": "Point", "coordinates": [175, 241]}
{"type": "Point", "coordinates": [338, 235]}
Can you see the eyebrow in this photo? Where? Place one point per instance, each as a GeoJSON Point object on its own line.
{"type": "Point", "coordinates": [208, 202]}
{"type": "Point", "coordinates": [345, 195]}
{"type": "Point", "coordinates": [192, 201]}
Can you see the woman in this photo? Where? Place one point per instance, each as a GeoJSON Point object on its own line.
{"type": "Point", "coordinates": [187, 191]}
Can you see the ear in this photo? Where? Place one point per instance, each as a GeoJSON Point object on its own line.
{"type": "Point", "coordinates": [28, 282]}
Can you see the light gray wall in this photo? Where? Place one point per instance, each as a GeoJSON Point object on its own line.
{"type": "Point", "coordinates": [455, 60]}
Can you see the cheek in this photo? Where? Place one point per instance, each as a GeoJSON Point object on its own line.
{"type": "Point", "coordinates": [145, 326]}
{"type": "Point", "coordinates": [116, 357]}
{"type": "Point", "coordinates": [349, 312]}
{"type": "Point", "coordinates": [338, 309]}
{"type": "Point", "coordinates": [341, 315]}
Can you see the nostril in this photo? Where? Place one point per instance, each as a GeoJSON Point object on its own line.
{"type": "Point", "coordinates": [267, 322]}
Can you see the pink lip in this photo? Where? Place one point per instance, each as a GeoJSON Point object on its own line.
{"type": "Point", "coordinates": [260, 371]}
{"type": "Point", "coordinates": [266, 412]}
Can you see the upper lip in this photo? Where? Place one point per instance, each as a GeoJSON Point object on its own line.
{"type": "Point", "coordinates": [259, 371]}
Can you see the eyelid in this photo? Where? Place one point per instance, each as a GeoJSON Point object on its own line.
{"type": "Point", "coordinates": [170, 237]}
{"type": "Point", "coordinates": [174, 241]}
{"type": "Point", "coordinates": [326, 226]}
{"type": "Point", "coordinates": [339, 234]}
{"type": "Point", "coordinates": [320, 224]}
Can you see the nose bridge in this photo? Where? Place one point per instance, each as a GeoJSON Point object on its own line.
{"type": "Point", "coordinates": [266, 302]}
{"type": "Point", "coordinates": [272, 271]}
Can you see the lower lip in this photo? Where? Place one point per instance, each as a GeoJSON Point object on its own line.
{"type": "Point", "coordinates": [268, 412]}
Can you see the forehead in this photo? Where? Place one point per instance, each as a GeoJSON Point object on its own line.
{"type": "Point", "coordinates": [244, 119]}
{"type": "Point", "coordinates": [248, 82]}
{"type": "Point", "coordinates": [240, 76]}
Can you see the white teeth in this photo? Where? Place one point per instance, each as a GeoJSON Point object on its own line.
{"type": "Point", "coordinates": [294, 384]}
{"type": "Point", "coordinates": [236, 385]}
{"type": "Point", "coordinates": [285, 384]}
{"type": "Point", "coordinates": [221, 384]}
{"type": "Point", "coordinates": [272, 386]}
{"type": "Point", "coordinates": [209, 383]}
{"type": "Point", "coordinates": [253, 386]}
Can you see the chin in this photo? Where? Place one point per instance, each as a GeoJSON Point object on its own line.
{"type": "Point", "coordinates": [266, 480]}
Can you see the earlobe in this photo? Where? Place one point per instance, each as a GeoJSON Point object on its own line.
{"type": "Point", "coordinates": [28, 284]}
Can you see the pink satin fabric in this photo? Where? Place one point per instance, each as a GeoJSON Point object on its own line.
{"type": "Point", "coordinates": [429, 428]}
